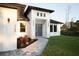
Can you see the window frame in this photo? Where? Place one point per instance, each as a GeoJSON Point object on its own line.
{"type": "Point", "coordinates": [53, 27]}
{"type": "Point", "coordinates": [40, 14]}
{"type": "Point", "coordinates": [37, 13]}
{"type": "Point", "coordinates": [44, 14]}
{"type": "Point", "coordinates": [22, 29]}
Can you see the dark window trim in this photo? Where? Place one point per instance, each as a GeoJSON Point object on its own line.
{"type": "Point", "coordinates": [44, 15]}
{"type": "Point", "coordinates": [54, 28]}
{"type": "Point", "coordinates": [37, 13]}
{"type": "Point", "coordinates": [51, 28]}
{"type": "Point", "coordinates": [22, 28]}
{"type": "Point", "coordinates": [41, 14]}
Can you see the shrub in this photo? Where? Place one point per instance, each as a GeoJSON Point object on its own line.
{"type": "Point", "coordinates": [70, 33]}
{"type": "Point", "coordinates": [22, 42]}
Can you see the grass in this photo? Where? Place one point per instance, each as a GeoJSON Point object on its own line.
{"type": "Point", "coordinates": [62, 46]}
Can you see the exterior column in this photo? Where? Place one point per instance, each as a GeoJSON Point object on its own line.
{"type": "Point", "coordinates": [48, 27]}
{"type": "Point", "coordinates": [33, 29]}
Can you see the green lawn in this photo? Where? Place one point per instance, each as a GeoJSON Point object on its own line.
{"type": "Point", "coordinates": [62, 46]}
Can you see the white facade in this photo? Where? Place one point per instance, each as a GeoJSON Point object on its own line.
{"type": "Point", "coordinates": [55, 33]}
{"type": "Point", "coordinates": [10, 27]}
{"type": "Point", "coordinates": [8, 39]}
{"type": "Point", "coordinates": [45, 21]}
{"type": "Point", "coordinates": [18, 33]}
{"type": "Point", "coordinates": [34, 19]}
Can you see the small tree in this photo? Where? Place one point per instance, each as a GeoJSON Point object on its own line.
{"type": "Point", "coordinates": [77, 25]}
{"type": "Point", "coordinates": [73, 30]}
{"type": "Point", "coordinates": [64, 27]}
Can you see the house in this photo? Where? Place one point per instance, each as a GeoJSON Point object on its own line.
{"type": "Point", "coordinates": [33, 22]}
{"type": "Point", "coordinates": [9, 15]}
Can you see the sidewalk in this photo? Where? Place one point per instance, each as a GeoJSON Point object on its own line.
{"type": "Point", "coordinates": [32, 50]}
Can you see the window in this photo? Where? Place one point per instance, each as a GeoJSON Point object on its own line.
{"type": "Point", "coordinates": [37, 13]}
{"type": "Point", "coordinates": [55, 28]}
{"type": "Point", "coordinates": [41, 14]}
{"type": "Point", "coordinates": [22, 27]}
{"type": "Point", "coordinates": [51, 28]}
{"type": "Point", "coordinates": [44, 15]}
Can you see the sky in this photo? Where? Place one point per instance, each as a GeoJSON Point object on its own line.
{"type": "Point", "coordinates": [60, 10]}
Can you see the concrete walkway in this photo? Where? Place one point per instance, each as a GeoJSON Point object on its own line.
{"type": "Point", "coordinates": [32, 50]}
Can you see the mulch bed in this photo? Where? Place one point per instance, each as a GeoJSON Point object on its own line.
{"type": "Point", "coordinates": [25, 41]}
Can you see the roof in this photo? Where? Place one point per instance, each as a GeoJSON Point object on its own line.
{"type": "Point", "coordinates": [12, 5]}
{"type": "Point", "coordinates": [18, 6]}
{"type": "Point", "coordinates": [57, 22]}
{"type": "Point", "coordinates": [37, 8]}
{"type": "Point", "coordinates": [23, 19]}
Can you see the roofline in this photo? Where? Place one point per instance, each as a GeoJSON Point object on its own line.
{"type": "Point", "coordinates": [37, 8]}
{"type": "Point", "coordinates": [57, 22]}
{"type": "Point", "coordinates": [41, 9]}
{"type": "Point", "coordinates": [12, 5]}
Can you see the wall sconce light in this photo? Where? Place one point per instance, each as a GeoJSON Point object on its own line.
{"type": "Point", "coordinates": [8, 20]}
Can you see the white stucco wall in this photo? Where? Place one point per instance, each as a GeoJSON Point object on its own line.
{"type": "Point", "coordinates": [8, 39]}
{"type": "Point", "coordinates": [55, 33]}
{"type": "Point", "coordinates": [29, 29]}
{"type": "Point", "coordinates": [33, 16]}
{"type": "Point", "coordinates": [18, 33]}
{"type": "Point", "coordinates": [44, 30]}
{"type": "Point", "coordinates": [46, 23]}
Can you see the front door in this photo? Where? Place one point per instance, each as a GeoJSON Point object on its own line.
{"type": "Point", "coordinates": [38, 30]}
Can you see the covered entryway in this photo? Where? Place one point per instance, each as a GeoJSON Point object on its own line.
{"type": "Point", "coordinates": [40, 28]}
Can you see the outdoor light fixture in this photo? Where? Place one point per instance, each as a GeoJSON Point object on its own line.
{"type": "Point", "coordinates": [8, 20]}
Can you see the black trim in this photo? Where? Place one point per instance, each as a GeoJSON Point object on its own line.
{"type": "Point", "coordinates": [37, 8]}
{"type": "Point", "coordinates": [53, 21]}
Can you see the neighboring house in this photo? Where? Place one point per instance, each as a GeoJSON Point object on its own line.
{"type": "Point", "coordinates": [33, 22]}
